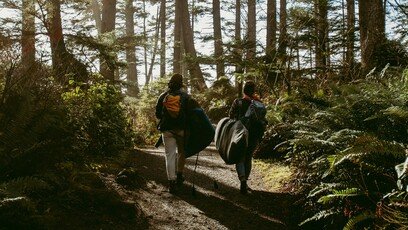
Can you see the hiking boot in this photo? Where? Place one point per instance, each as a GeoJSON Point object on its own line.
{"type": "Point", "coordinates": [243, 188]}
{"type": "Point", "coordinates": [180, 179]}
{"type": "Point", "coordinates": [172, 186]}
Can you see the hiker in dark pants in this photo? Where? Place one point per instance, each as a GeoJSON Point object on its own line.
{"type": "Point", "coordinates": [237, 111]}
{"type": "Point", "coordinates": [171, 110]}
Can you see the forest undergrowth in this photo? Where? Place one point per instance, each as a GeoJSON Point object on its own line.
{"type": "Point", "coordinates": [55, 141]}
{"type": "Point", "coordinates": [344, 140]}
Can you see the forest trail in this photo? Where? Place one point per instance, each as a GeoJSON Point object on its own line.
{"type": "Point", "coordinates": [211, 208]}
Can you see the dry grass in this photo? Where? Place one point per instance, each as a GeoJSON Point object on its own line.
{"type": "Point", "coordinates": [274, 174]}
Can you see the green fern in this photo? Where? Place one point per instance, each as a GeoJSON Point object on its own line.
{"type": "Point", "coordinates": [395, 216]}
{"type": "Point", "coordinates": [323, 188]}
{"type": "Point", "coordinates": [367, 146]}
{"type": "Point", "coordinates": [321, 215]}
{"type": "Point", "coordinates": [339, 194]}
{"type": "Point", "coordinates": [394, 209]}
{"type": "Point", "coordinates": [24, 186]}
{"type": "Point", "coordinates": [336, 160]}
{"type": "Point", "coordinates": [351, 224]}
{"type": "Point", "coordinates": [344, 136]}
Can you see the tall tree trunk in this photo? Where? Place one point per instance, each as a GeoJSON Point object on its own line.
{"type": "Point", "coordinates": [282, 32]}
{"type": "Point", "coordinates": [192, 14]}
{"type": "Point", "coordinates": [133, 84]}
{"type": "Point", "coordinates": [58, 50]}
{"type": "Point", "coordinates": [28, 33]}
{"type": "Point", "coordinates": [321, 10]}
{"type": "Point", "coordinates": [372, 31]}
{"type": "Point", "coordinates": [271, 28]}
{"type": "Point", "coordinates": [155, 46]}
{"type": "Point", "coordinates": [350, 38]}
{"type": "Point", "coordinates": [238, 50]}
{"type": "Point", "coordinates": [218, 50]}
{"type": "Point", "coordinates": [108, 25]}
{"type": "Point", "coordinates": [96, 14]}
{"type": "Point", "coordinates": [163, 38]}
{"type": "Point", "coordinates": [63, 62]}
{"type": "Point", "coordinates": [177, 37]}
{"type": "Point", "coordinates": [283, 44]}
{"type": "Point", "coordinates": [251, 30]}
{"type": "Point", "coordinates": [147, 77]}
{"type": "Point", "coordinates": [196, 76]}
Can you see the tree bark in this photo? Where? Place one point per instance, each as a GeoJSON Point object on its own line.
{"type": "Point", "coordinates": [196, 76]}
{"type": "Point", "coordinates": [372, 31]}
{"type": "Point", "coordinates": [177, 37]}
{"type": "Point", "coordinates": [321, 10]}
{"type": "Point", "coordinates": [133, 85]}
{"type": "Point", "coordinates": [155, 46]}
{"type": "Point", "coordinates": [63, 62]}
{"type": "Point", "coordinates": [350, 35]}
{"type": "Point", "coordinates": [271, 28]}
{"type": "Point", "coordinates": [58, 50]}
{"type": "Point", "coordinates": [28, 33]}
{"type": "Point", "coordinates": [163, 38]}
{"type": "Point", "coordinates": [251, 30]}
{"type": "Point", "coordinates": [282, 32]}
{"type": "Point", "coordinates": [147, 77]}
{"type": "Point", "coordinates": [218, 50]}
{"type": "Point", "coordinates": [96, 14]}
{"type": "Point", "coordinates": [108, 25]}
{"type": "Point", "coordinates": [238, 50]}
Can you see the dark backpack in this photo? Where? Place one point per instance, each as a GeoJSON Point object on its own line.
{"type": "Point", "coordinates": [174, 110]}
{"type": "Point", "coordinates": [254, 117]}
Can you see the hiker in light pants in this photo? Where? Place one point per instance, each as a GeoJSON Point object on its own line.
{"type": "Point", "coordinates": [174, 148]}
{"type": "Point", "coordinates": [171, 109]}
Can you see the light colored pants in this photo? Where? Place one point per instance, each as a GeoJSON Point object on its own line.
{"type": "Point", "coordinates": [174, 147]}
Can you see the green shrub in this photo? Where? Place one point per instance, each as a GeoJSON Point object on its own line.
{"type": "Point", "coordinates": [97, 118]}
{"type": "Point", "coordinates": [141, 112]}
{"type": "Point", "coordinates": [217, 100]}
{"type": "Point", "coordinates": [50, 136]}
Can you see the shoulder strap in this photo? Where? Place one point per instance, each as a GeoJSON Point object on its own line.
{"type": "Point", "coordinates": [165, 95]}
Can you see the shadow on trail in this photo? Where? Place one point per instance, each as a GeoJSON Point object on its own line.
{"type": "Point", "coordinates": [258, 210]}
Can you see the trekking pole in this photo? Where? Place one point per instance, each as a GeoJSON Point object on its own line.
{"type": "Point", "coordinates": [193, 191]}
{"type": "Point", "coordinates": [215, 184]}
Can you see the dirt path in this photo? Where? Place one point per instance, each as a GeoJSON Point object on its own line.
{"type": "Point", "coordinates": [210, 208]}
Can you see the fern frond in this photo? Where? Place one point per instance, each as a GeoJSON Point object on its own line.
{"type": "Point", "coordinates": [344, 135]}
{"type": "Point", "coordinates": [368, 214]}
{"type": "Point", "coordinates": [25, 186]}
{"type": "Point", "coordinates": [367, 146]}
{"type": "Point", "coordinates": [311, 141]}
{"type": "Point", "coordinates": [320, 161]}
{"type": "Point", "coordinates": [378, 169]}
{"type": "Point", "coordinates": [339, 194]}
{"type": "Point", "coordinates": [321, 215]}
{"type": "Point", "coordinates": [396, 211]}
{"type": "Point", "coordinates": [351, 157]}
{"type": "Point", "coordinates": [322, 188]}
{"type": "Point", "coordinates": [397, 111]}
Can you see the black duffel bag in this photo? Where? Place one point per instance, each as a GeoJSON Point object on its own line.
{"type": "Point", "coordinates": [231, 140]}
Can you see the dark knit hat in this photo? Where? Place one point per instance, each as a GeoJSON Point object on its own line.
{"type": "Point", "coordinates": [176, 81]}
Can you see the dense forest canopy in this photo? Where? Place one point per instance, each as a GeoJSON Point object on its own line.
{"type": "Point", "coordinates": [79, 80]}
{"type": "Point", "coordinates": [309, 39]}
